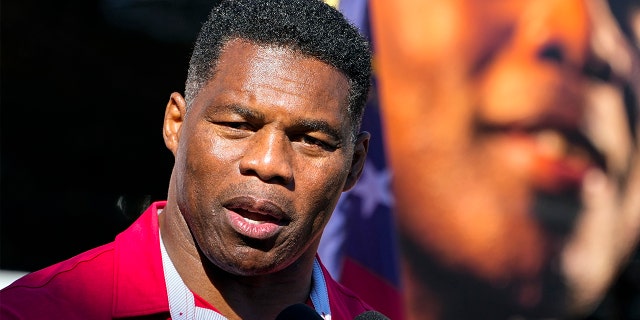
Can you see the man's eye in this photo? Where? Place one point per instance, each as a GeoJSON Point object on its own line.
{"type": "Point", "coordinates": [234, 130]}
{"type": "Point", "coordinates": [236, 125]}
{"type": "Point", "coordinates": [309, 140]}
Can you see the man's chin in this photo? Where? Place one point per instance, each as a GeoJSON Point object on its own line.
{"type": "Point", "coordinates": [557, 212]}
{"type": "Point", "coordinates": [542, 296]}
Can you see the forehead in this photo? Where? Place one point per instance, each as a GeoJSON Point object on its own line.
{"type": "Point", "coordinates": [279, 77]}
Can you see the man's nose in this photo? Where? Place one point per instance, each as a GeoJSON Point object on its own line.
{"type": "Point", "coordinates": [544, 58]}
{"type": "Point", "coordinates": [269, 157]}
{"type": "Point", "coordinates": [555, 32]}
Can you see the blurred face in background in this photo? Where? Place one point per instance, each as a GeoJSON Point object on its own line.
{"type": "Point", "coordinates": [502, 120]}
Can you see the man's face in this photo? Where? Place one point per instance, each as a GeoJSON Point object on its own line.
{"type": "Point", "coordinates": [484, 114]}
{"type": "Point", "coordinates": [264, 154]}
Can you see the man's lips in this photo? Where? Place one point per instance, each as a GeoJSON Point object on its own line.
{"type": "Point", "coordinates": [255, 218]}
{"type": "Point", "coordinates": [560, 156]}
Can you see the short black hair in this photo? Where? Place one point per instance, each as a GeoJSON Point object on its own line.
{"type": "Point", "coordinates": [310, 27]}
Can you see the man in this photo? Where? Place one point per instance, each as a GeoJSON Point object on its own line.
{"type": "Point", "coordinates": [512, 131]}
{"type": "Point", "coordinates": [265, 140]}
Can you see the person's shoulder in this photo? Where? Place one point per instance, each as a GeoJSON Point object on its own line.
{"type": "Point", "coordinates": [84, 277]}
{"type": "Point", "coordinates": [345, 304]}
{"type": "Point", "coordinates": [61, 287]}
{"type": "Point", "coordinates": [346, 297]}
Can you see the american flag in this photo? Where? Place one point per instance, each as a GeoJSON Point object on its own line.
{"type": "Point", "coordinates": [359, 246]}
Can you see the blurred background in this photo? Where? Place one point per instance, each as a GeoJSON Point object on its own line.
{"type": "Point", "coordinates": [83, 87]}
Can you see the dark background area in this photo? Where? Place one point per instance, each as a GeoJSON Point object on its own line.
{"type": "Point", "coordinates": [83, 91]}
{"type": "Point", "coordinates": [83, 87]}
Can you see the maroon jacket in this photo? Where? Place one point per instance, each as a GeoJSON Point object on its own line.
{"type": "Point", "coordinates": [120, 279]}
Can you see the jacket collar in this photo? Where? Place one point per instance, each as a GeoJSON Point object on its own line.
{"type": "Point", "coordinates": [139, 286]}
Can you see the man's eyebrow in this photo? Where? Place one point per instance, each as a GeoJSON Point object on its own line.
{"type": "Point", "coordinates": [302, 124]}
{"type": "Point", "coordinates": [318, 125]}
{"type": "Point", "coordinates": [241, 110]}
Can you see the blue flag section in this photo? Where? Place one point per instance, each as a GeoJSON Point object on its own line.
{"type": "Point", "coordinates": [359, 243]}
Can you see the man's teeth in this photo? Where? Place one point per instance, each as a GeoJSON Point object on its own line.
{"type": "Point", "coordinates": [555, 145]}
{"type": "Point", "coordinates": [251, 221]}
{"type": "Point", "coordinates": [551, 143]}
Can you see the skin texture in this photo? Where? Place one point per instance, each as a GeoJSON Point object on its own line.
{"type": "Point", "coordinates": [265, 140]}
{"type": "Point", "coordinates": [497, 138]}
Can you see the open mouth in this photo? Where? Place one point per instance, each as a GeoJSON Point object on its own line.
{"type": "Point", "coordinates": [255, 218]}
{"type": "Point", "coordinates": [578, 145]}
{"type": "Point", "coordinates": [560, 155]}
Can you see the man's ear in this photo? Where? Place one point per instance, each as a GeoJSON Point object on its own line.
{"type": "Point", "coordinates": [357, 163]}
{"type": "Point", "coordinates": [173, 118]}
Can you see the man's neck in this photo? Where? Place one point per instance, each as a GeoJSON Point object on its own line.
{"type": "Point", "coordinates": [235, 296]}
